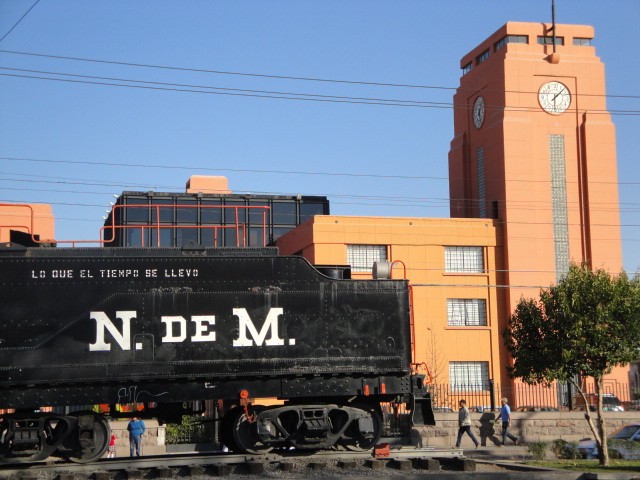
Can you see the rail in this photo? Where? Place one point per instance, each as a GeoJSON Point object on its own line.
{"type": "Point", "coordinates": [108, 233]}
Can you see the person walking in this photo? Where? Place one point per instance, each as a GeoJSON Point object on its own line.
{"type": "Point", "coordinates": [136, 429]}
{"type": "Point", "coordinates": [464, 424]}
{"type": "Point", "coordinates": [505, 416]}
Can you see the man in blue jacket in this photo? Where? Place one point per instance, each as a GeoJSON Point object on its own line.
{"type": "Point", "coordinates": [505, 415]}
{"type": "Point", "coordinates": [136, 429]}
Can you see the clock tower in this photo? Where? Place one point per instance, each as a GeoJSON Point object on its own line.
{"type": "Point", "coordinates": [534, 149]}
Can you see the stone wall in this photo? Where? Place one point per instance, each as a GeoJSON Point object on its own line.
{"type": "Point", "coordinates": [527, 426]}
{"type": "Point", "coordinates": [152, 441]}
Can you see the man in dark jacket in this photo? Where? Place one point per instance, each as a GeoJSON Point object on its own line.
{"type": "Point", "coordinates": [136, 429]}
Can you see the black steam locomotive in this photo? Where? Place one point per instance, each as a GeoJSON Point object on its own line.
{"type": "Point", "coordinates": [167, 326]}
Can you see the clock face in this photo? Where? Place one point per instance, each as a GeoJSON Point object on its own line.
{"type": "Point", "coordinates": [478, 112]}
{"type": "Point", "coordinates": [554, 97]}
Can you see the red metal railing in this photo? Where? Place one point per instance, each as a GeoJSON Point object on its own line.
{"type": "Point", "coordinates": [108, 234]}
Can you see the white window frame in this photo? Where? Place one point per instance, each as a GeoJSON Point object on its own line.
{"type": "Point", "coordinates": [466, 312]}
{"type": "Point", "coordinates": [469, 376]}
{"type": "Point", "coordinates": [461, 259]}
{"type": "Point", "coordinates": [362, 257]}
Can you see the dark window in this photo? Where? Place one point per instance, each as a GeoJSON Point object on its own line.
{"type": "Point", "coordinates": [134, 236]}
{"type": "Point", "coordinates": [582, 42]}
{"type": "Point", "coordinates": [258, 216]}
{"type": "Point", "coordinates": [189, 212]}
{"type": "Point", "coordinates": [166, 213]}
{"type": "Point", "coordinates": [482, 57]}
{"type": "Point", "coordinates": [279, 231]}
{"type": "Point", "coordinates": [230, 237]}
{"type": "Point", "coordinates": [231, 214]}
{"type": "Point", "coordinates": [136, 214]}
{"type": "Point", "coordinates": [256, 237]}
{"type": "Point", "coordinates": [510, 39]}
{"type": "Point", "coordinates": [166, 237]}
{"type": "Point", "coordinates": [211, 237]}
{"type": "Point", "coordinates": [186, 235]}
{"type": "Point", "coordinates": [549, 40]}
{"type": "Point", "coordinates": [467, 68]}
{"type": "Point", "coordinates": [284, 213]}
{"type": "Point", "coordinates": [308, 210]}
{"type": "Point", "coordinates": [211, 212]}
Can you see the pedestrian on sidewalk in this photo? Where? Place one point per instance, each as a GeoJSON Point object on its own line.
{"type": "Point", "coordinates": [505, 416]}
{"type": "Point", "coordinates": [136, 429]}
{"type": "Point", "coordinates": [464, 424]}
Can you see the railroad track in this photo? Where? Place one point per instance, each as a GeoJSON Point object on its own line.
{"type": "Point", "coordinates": [401, 459]}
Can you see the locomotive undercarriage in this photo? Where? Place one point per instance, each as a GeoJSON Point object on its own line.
{"type": "Point", "coordinates": [258, 429]}
{"type": "Point", "coordinates": [80, 437]}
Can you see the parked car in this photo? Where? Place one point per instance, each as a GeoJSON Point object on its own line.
{"type": "Point", "coordinates": [617, 441]}
{"type": "Point", "coordinates": [610, 403]}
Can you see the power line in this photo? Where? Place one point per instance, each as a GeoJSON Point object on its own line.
{"type": "Point", "coordinates": [21, 18]}
{"type": "Point", "coordinates": [271, 76]}
{"type": "Point", "coordinates": [279, 172]}
{"type": "Point", "coordinates": [304, 97]}
{"type": "Point", "coordinates": [270, 92]}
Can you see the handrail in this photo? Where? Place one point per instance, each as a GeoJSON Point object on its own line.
{"type": "Point", "coordinates": [240, 228]}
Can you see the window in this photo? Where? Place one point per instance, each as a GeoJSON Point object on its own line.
{"type": "Point", "coordinates": [549, 40]}
{"type": "Point", "coordinates": [284, 213]}
{"type": "Point", "coordinates": [187, 213]}
{"type": "Point", "coordinates": [582, 42]}
{"type": "Point", "coordinates": [463, 260]}
{"type": "Point", "coordinates": [482, 194]}
{"type": "Point", "coordinates": [467, 68]}
{"type": "Point", "coordinates": [469, 376]}
{"type": "Point", "coordinates": [510, 39]}
{"type": "Point", "coordinates": [165, 213]}
{"type": "Point", "coordinates": [308, 210]}
{"type": "Point", "coordinates": [137, 215]}
{"type": "Point", "coordinates": [482, 57]}
{"type": "Point", "coordinates": [361, 257]}
{"type": "Point", "coordinates": [466, 312]}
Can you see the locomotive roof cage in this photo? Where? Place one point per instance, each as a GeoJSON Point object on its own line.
{"type": "Point", "coordinates": [208, 219]}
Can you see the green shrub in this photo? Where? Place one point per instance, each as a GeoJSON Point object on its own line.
{"type": "Point", "coordinates": [565, 450]}
{"type": "Point", "coordinates": [191, 430]}
{"type": "Point", "coordinates": [538, 450]}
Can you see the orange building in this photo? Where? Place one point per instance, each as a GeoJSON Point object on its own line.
{"type": "Point", "coordinates": [534, 148]}
{"type": "Point", "coordinates": [451, 264]}
{"type": "Point", "coordinates": [33, 222]}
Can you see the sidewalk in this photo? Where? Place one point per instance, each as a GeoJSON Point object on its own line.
{"type": "Point", "coordinates": [495, 453]}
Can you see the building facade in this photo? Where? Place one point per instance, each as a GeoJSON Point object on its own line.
{"type": "Point", "coordinates": [534, 148]}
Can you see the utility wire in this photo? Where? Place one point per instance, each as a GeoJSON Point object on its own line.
{"type": "Point", "coordinates": [262, 75]}
{"type": "Point", "coordinates": [270, 92]}
{"type": "Point", "coordinates": [186, 88]}
{"type": "Point", "coordinates": [279, 172]}
{"type": "Point", "coordinates": [21, 18]}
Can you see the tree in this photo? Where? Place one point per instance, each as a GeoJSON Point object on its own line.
{"type": "Point", "coordinates": [582, 327]}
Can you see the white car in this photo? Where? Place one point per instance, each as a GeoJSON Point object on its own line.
{"type": "Point", "coordinates": [630, 432]}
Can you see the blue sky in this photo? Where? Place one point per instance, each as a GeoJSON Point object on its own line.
{"type": "Point", "coordinates": [75, 144]}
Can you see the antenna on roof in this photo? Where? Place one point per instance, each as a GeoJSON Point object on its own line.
{"type": "Point", "coordinates": [553, 24]}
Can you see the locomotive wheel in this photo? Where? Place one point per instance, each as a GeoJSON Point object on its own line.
{"type": "Point", "coordinates": [354, 440]}
{"type": "Point", "coordinates": [245, 435]}
{"type": "Point", "coordinates": [88, 443]}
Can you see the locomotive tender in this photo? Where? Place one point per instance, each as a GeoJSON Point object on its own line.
{"type": "Point", "coordinates": [165, 326]}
